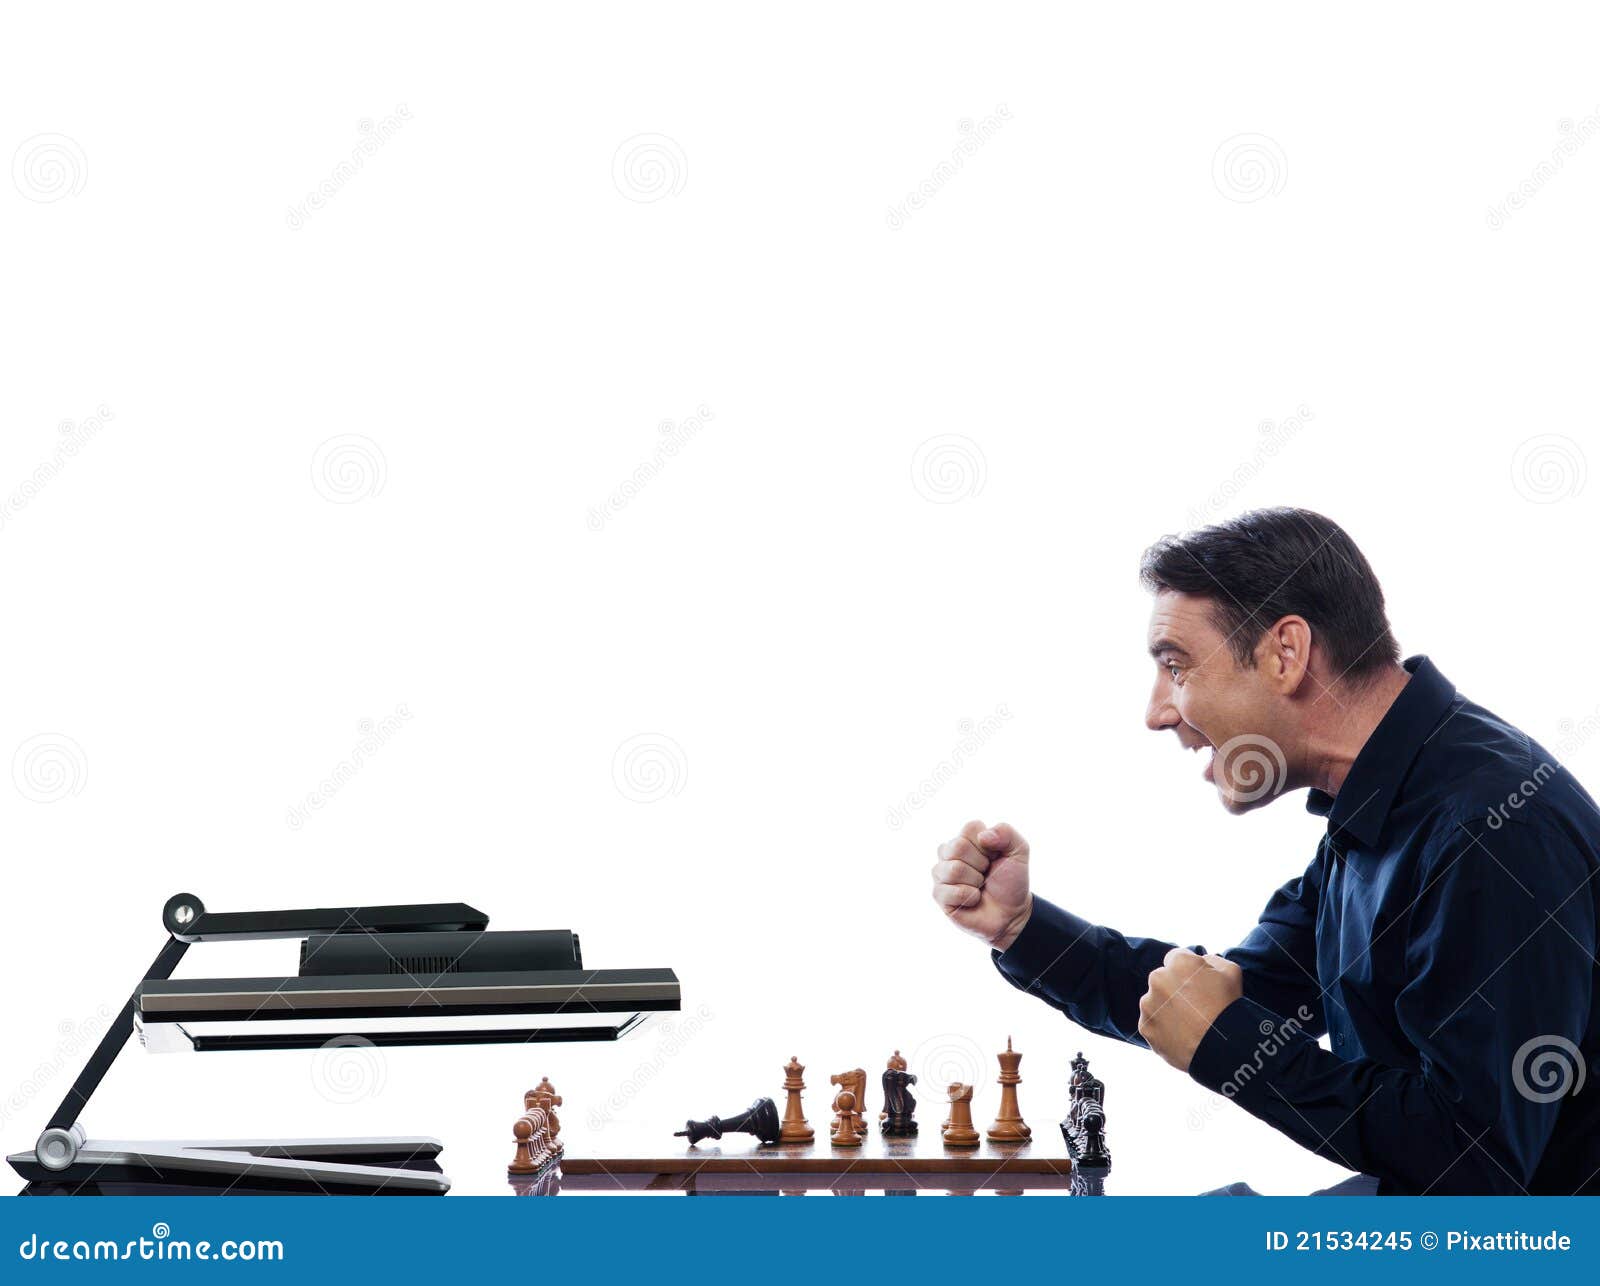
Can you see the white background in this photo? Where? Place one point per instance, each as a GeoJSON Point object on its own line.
{"type": "Point", "coordinates": [1132, 317]}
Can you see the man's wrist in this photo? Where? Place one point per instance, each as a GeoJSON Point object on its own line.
{"type": "Point", "coordinates": [1003, 940]}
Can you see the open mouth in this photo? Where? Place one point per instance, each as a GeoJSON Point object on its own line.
{"type": "Point", "coordinates": [1208, 772]}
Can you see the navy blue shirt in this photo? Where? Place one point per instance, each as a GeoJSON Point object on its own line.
{"type": "Point", "coordinates": [1443, 939]}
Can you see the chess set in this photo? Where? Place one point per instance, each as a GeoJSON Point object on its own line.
{"type": "Point", "coordinates": [786, 1145]}
{"type": "Point", "coordinates": [532, 1171]}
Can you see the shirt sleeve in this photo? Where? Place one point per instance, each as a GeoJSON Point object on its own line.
{"type": "Point", "coordinates": [1499, 960]}
{"type": "Point", "coordinates": [1092, 974]}
{"type": "Point", "coordinates": [1279, 957]}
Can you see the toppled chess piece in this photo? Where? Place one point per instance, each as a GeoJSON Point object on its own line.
{"type": "Point", "coordinates": [855, 1083]}
{"type": "Point", "coordinates": [1084, 1128]}
{"type": "Point", "coordinates": [1009, 1127]}
{"type": "Point", "coordinates": [795, 1128]}
{"type": "Point", "coordinates": [958, 1130]}
{"type": "Point", "coordinates": [759, 1119]}
{"type": "Point", "coordinates": [899, 1121]}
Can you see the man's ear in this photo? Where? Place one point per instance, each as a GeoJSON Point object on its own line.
{"type": "Point", "coordinates": [1286, 658]}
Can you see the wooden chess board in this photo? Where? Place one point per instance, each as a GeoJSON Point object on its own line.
{"type": "Point", "coordinates": [610, 1161]}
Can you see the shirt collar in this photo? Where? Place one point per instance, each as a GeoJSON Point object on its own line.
{"type": "Point", "coordinates": [1370, 787]}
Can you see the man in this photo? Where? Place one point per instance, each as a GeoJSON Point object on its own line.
{"type": "Point", "coordinates": [1444, 935]}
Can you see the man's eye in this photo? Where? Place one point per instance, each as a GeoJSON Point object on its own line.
{"type": "Point", "coordinates": [1172, 670]}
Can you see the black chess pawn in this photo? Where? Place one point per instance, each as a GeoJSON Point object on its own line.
{"type": "Point", "coordinates": [760, 1119]}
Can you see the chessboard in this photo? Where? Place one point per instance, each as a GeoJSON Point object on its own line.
{"type": "Point", "coordinates": [607, 1163]}
{"type": "Point", "coordinates": [849, 1150]}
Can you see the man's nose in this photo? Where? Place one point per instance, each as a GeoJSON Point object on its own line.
{"type": "Point", "coordinates": [1160, 713]}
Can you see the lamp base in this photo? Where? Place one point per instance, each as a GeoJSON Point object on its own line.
{"type": "Point", "coordinates": [335, 1167]}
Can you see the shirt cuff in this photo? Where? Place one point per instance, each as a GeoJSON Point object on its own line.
{"type": "Point", "coordinates": [1237, 1056]}
{"type": "Point", "coordinates": [1054, 945]}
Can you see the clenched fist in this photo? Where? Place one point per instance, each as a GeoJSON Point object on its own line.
{"type": "Point", "coordinates": [981, 882]}
{"type": "Point", "coordinates": [1186, 994]}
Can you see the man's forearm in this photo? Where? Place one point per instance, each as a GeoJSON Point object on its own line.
{"type": "Point", "coordinates": [1092, 974]}
{"type": "Point", "coordinates": [1381, 1121]}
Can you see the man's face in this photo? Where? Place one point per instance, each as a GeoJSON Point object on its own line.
{"type": "Point", "coordinates": [1216, 706]}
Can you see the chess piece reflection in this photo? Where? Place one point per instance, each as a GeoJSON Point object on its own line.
{"type": "Point", "coordinates": [959, 1133]}
{"type": "Point", "coordinates": [898, 1105]}
{"type": "Point", "coordinates": [759, 1119]}
{"type": "Point", "coordinates": [1084, 1128]}
{"type": "Point", "coordinates": [844, 1135]}
{"type": "Point", "coordinates": [1009, 1126]}
{"type": "Point", "coordinates": [796, 1129]}
{"type": "Point", "coordinates": [547, 1184]}
{"type": "Point", "coordinates": [855, 1082]}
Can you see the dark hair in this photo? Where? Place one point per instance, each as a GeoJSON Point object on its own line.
{"type": "Point", "coordinates": [1271, 563]}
